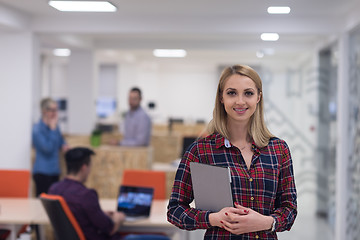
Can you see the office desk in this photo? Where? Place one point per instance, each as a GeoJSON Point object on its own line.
{"type": "Point", "coordinates": [18, 211]}
{"type": "Point", "coordinates": [22, 211]}
{"type": "Point", "coordinates": [157, 222]}
{"type": "Point", "coordinates": [15, 212]}
{"type": "Point", "coordinates": [157, 214]}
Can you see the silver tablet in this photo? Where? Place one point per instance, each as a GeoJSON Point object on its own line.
{"type": "Point", "coordinates": [211, 186]}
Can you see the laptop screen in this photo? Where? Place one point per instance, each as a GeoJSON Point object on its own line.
{"type": "Point", "coordinates": [135, 201]}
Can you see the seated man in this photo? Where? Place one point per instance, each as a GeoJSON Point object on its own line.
{"type": "Point", "coordinates": [84, 202]}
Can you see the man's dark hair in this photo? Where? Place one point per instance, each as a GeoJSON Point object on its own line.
{"type": "Point", "coordinates": [76, 157]}
{"type": "Point", "coordinates": [136, 89]}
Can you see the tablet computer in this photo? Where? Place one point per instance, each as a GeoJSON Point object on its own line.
{"type": "Point", "coordinates": [211, 186]}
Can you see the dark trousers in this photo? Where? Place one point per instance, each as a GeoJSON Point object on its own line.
{"type": "Point", "coordinates": [43, 182]}
{"type": "Point", "coordinates": [42, 185]}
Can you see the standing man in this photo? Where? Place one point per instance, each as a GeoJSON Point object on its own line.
{"type": "Point", "coordinates": [137, 122]}
{"type": "Point", "coordinates": [84, 202]}
{"type": "Point", "coordinates": [47, 141]}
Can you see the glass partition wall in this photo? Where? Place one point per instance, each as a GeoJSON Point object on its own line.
{"type": "Point", "coordinates": [326, 151]}
{"type": "Point", "coordinates": [327, 139]}
{"type": "Point", "coordinates": [353, 204]}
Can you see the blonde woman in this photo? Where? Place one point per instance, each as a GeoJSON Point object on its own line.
{"type": "Point", "coordinates": [263, 185]}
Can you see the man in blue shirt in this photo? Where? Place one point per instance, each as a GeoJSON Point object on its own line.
{"type": "Point", "coordinates": [137, 123]}
{"type": "Point", "coordinates": [47, 142]}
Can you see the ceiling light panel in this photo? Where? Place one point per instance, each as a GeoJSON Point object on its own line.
{"type": "Point", "coordinates": [82, 6]}
{"type": "Point", "coordinates": [62, 52]}
{"type": "Point", "coordinates": [278, 10]}
{"type": "Point", "coordinates": [169, 53]}
{"type": "Point", "coordinates": [269, 36]}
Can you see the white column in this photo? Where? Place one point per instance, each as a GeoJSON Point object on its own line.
{"type": "Point", "coordinates": [81, 100]}
{"type": "Point", "coordinates": [19, 61]}
{"type": "Point", "coordinates": [342, 153]}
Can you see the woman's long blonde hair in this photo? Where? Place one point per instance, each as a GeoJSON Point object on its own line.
{"type": "Point", "coordinates": [257, 129]}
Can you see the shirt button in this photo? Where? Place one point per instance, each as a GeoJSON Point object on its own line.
{"type": "Point", "coordinates": [252, 198]}
{"type": "Point", "coordinates": [257, 236]}
{"type": "Point", "coordinates": [250, 179]}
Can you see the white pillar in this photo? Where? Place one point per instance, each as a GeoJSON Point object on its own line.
{"type": "Point", "coordinates": [19, 61]}
{"type": "Point", "coordinates": [342, 152]}
{"type": "Point", "coordinates": [81, 100]}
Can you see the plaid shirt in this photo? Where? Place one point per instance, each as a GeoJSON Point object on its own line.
{"type": "Point", "coordinates": [268, 187]}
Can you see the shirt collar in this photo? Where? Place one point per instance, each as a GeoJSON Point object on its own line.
{"type": "Point", "coordinates": [72, 180]}
{"type": "Point", "coordinates": [227, 143]}
{"type": "Point", "coordinates": [219, 140]}
{"type": "Point", "coordinates": [222, 141]}
{"type": "Point", "coordinates": [255, 149]}
{"type": "Point", "coordinates": [136, 109]}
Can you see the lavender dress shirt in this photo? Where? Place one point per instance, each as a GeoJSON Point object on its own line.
{"type": "Point", "coordinates": [137, 128]}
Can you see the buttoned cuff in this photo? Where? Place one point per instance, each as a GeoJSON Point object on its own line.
{"type": "Point", "coordinates": [275, 226]}
{"type": "Point", "coordinates": [202, 220]}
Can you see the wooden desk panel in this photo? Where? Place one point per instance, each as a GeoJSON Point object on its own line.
{"type": "Point", "coordinates": [109, 164]}
{"type": "Point", "coordinates": [167, 148]}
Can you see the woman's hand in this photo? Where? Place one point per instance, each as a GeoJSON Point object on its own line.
{"type": "Point", "coordinates": [52, 122]}
{"type": "Point", "coordinates": [225, 215]}
{"type": "Point", "coordinates": [252, 221]}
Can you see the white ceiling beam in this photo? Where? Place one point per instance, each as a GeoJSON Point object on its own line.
{"type": "Point", "coordinates": [353, 19]}
{"type": "Point", "coordinates": [112, 25]}
{"type": "Point", "coordinates": [12, 20]}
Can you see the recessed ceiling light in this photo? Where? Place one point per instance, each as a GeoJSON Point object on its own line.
{"type": "Point", "coordinates": [82, 6]}
{"type": "Point", "coordinates": [169, 53]}
{"type": "Point", "coordinates": [279, 10]}
{"type": "Point", "coordinates": [269, 36]}
{"type": "Point", "coordinates": [62, 52]}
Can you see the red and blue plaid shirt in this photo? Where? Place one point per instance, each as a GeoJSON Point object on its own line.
{"type": "Point", "coordinates": [267, 187]}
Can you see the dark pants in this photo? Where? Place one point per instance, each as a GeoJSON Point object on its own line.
{"type": "Point", "coordinates": [43, 182]}
{"type": "Point", "coordinates": [42, 185]}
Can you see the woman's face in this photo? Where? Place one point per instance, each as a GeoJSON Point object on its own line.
{"type": "Point", "coordinates": [240, 97]}
{"type": "Point", "coordinates": [51, 111]}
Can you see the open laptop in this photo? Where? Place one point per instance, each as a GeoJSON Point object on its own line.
{"type": "Point", "coordinates": [135, 202]}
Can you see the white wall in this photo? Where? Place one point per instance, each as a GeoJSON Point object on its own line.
{"type": "Point", "coordinates": [183, 90]}
{"type": "Point", "coordinates": [18, 68]}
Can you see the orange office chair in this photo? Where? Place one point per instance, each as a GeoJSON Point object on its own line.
{"type": "Point", "coordinates": [146, 178]}
{"type": "Point", "coordinates": [62, 220]}
{"type": "Point", "coordinates": [14, 184]}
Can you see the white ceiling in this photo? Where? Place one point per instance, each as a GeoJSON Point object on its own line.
{"type": "Point", "coordinates": [217, 25]}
